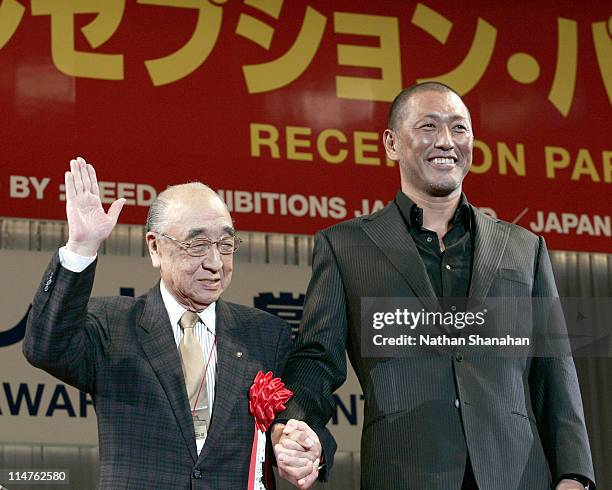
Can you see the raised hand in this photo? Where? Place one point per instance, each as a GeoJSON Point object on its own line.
{"type": "Point", "coordinates": [88, 224]}
{"type": "Point", "coordinates": [298, 453]}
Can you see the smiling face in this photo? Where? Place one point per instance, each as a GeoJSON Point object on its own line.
{"type": "Point", "coordinates": [195, 282]}
{"type": "Point", "coordinates": [432, 142]}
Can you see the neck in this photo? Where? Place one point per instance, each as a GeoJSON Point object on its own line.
{"type": "Point", "coordinates": [438, 211]}
{"type": "Point", "coordinates": [184, 301]}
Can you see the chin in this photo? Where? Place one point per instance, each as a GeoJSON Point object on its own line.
{"type": "Point", "coordinates": [438, 190]}
{"type": "Point", "coordinates": [207, 300]}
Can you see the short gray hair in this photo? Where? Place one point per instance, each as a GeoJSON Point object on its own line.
{"type": "Point", "coordinates": [156, 217]}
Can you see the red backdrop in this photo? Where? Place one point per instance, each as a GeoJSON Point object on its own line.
{"type": "Point", "coordinates": [283, 104]}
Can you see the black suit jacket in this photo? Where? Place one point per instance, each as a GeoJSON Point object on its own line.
{"type": "Point", "coordinates": [122, 351]}
{"type": "Point", "coordinates": [520, 418]}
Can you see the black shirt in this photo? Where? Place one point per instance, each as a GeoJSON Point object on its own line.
{"type": "Point", "coordinates": [450, 270]}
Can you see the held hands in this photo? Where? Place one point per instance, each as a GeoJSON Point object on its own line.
{"type": "Point", "coordinates": [88, 224]}
{"type": "Point", "coordinates": [298, 453]}
{"type": "Point", "coordinates": [569, 485]}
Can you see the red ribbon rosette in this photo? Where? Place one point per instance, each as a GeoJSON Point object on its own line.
{"type": "Point", "coordinates": [267, 397]}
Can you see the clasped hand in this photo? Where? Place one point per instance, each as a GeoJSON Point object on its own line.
{"type": "Point", "coordinates": [298, 453]}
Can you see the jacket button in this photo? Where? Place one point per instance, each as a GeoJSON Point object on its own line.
{"type": "Point", "coordinates": [459, 357]}
{"type": "Point", "coordinates": [197, 474]}
{"type": "Point", "coordinates": [456, 402]}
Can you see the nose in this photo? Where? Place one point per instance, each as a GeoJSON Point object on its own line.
{"type": "Point", "coordinates": [212, 259]}
{"type": "Point", "coordinates": [444, 138]}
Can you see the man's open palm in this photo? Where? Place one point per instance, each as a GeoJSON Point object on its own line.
{"type": "Point", "coordinates": [88, 224]}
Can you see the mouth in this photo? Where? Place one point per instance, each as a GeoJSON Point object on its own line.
{"type": "Point", "coordinates": [443, 163]}
{"type": "Point", "coordinates": [210, 284]}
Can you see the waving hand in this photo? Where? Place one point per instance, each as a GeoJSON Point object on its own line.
{"type": "Point", "coordinates": [88, 224]}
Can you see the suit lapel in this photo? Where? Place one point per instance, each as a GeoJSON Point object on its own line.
{"type": "Point", "coordinates": [489, 246]}
{"type": "Point", "coordinates": [230, 374]}
{"type": "Point", "coordinates": [389, 233]}
{"type": "Point", "coordinates": [158, 343]}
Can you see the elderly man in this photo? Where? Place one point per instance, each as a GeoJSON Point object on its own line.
{"type": "Point", "coordinates": [169, 371]}
{"type": "Point", "coordinates": [441, 421]}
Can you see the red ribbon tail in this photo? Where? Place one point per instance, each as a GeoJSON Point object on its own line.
{"type": "Point", "coordinates": [251, 485]}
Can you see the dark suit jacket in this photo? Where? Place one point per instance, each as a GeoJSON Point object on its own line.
{"type": "Point", "coordinates": [122, 351]}
{"type": "Point", "coordinates": [520, 418]}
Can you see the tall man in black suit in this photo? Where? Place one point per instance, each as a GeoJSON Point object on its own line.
{"type": "Point", "coordinates": [437, 422]}
{"type": "Point", "coordinates": [171, 395]}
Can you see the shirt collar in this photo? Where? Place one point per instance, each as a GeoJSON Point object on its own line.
{"type": "Point", "coordinates": [175, 310]}
{"type": "Point", "coordinates": [413, 215]}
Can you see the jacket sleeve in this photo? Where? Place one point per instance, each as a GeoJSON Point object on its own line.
{"type": "Point", "coordinates": [61, 336]}
{"type": "Point", "coordinates": [554, 388]}
{"type": "Point", "coordinates": [317, 365]}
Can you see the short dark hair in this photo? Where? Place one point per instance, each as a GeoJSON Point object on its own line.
{"type": "Point", "coordinates": [398, 104]}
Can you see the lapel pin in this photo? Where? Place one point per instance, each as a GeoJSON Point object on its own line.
{"type": "Point", "coordinates": [238, 354]}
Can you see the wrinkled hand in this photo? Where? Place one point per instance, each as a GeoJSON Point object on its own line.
{"type": "Point", "coordinates": [298, 453]}
{"type": "Point", "coordinates": [88, 224]}
{"type": "Point", "coordinates": [569, 485]}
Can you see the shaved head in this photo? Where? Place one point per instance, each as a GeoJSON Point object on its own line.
{"type": "Point", "coordinates": [397, 112]}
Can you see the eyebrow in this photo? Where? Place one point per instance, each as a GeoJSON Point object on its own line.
{"type": "Point", "coordinates": [229, 230]}
{"type": "Point", "coordinates": [438, 115]}
{"type": "Point", "coordinates": [194, 232]}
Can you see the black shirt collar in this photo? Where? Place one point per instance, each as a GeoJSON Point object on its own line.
{"type": "Point", "coordinates": [413, 215]}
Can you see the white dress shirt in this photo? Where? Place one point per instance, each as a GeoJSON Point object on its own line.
{"type": "Point", "coordinates": [205, 329]}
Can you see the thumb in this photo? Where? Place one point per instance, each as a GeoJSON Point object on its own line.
{"type": "Point", "coordinates": [292, 424]}
{"type": "Point", "coordinates": [115, 209]}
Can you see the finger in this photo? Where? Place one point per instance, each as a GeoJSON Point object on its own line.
{"type": "Point", "coordinates": [296, 472]}
{"type": "Point", "coordinates": [76, 177]}
{"type": "Point", "coordinates": [302, 437]}
{"type": "Point", "coordinates": [307, 482]}
{"type": "Point", "coordinates": [93, 178]}
{"type": "Point", "coordinates": [295, 450]}
{"type": "Point", "coordinates": [76, 173]}
{"type": "Point", "coordinates": [310, 479]}
{"type": "Point", "coordinates": [292, 445]}
{"type": "Point", "coordinates": [295, 453]}
{"type": "Point", "coordinates": [115, 209]}
{"type": "Point", "coordinates": [301, 473]}
{"type": "Point", "coordinates": [81, 163]}
{"type": "Point", "coordinates": [292, 424]}
{"type": "Point", "coordinates": [287, 461]}
{"type": "Point", "coordinates": [69, 183]}
{"type": "Point", "coordinates": [85, 177]}
{"type": "Point", "coordinates": [305, 427]}
{"type": "Point", "coordinates": [301, 426]}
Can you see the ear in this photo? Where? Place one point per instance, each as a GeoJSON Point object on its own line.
{"type": "Point", "coordinates": [391, 146]}
{"type": "Point", "coordinates": [153, 246]}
